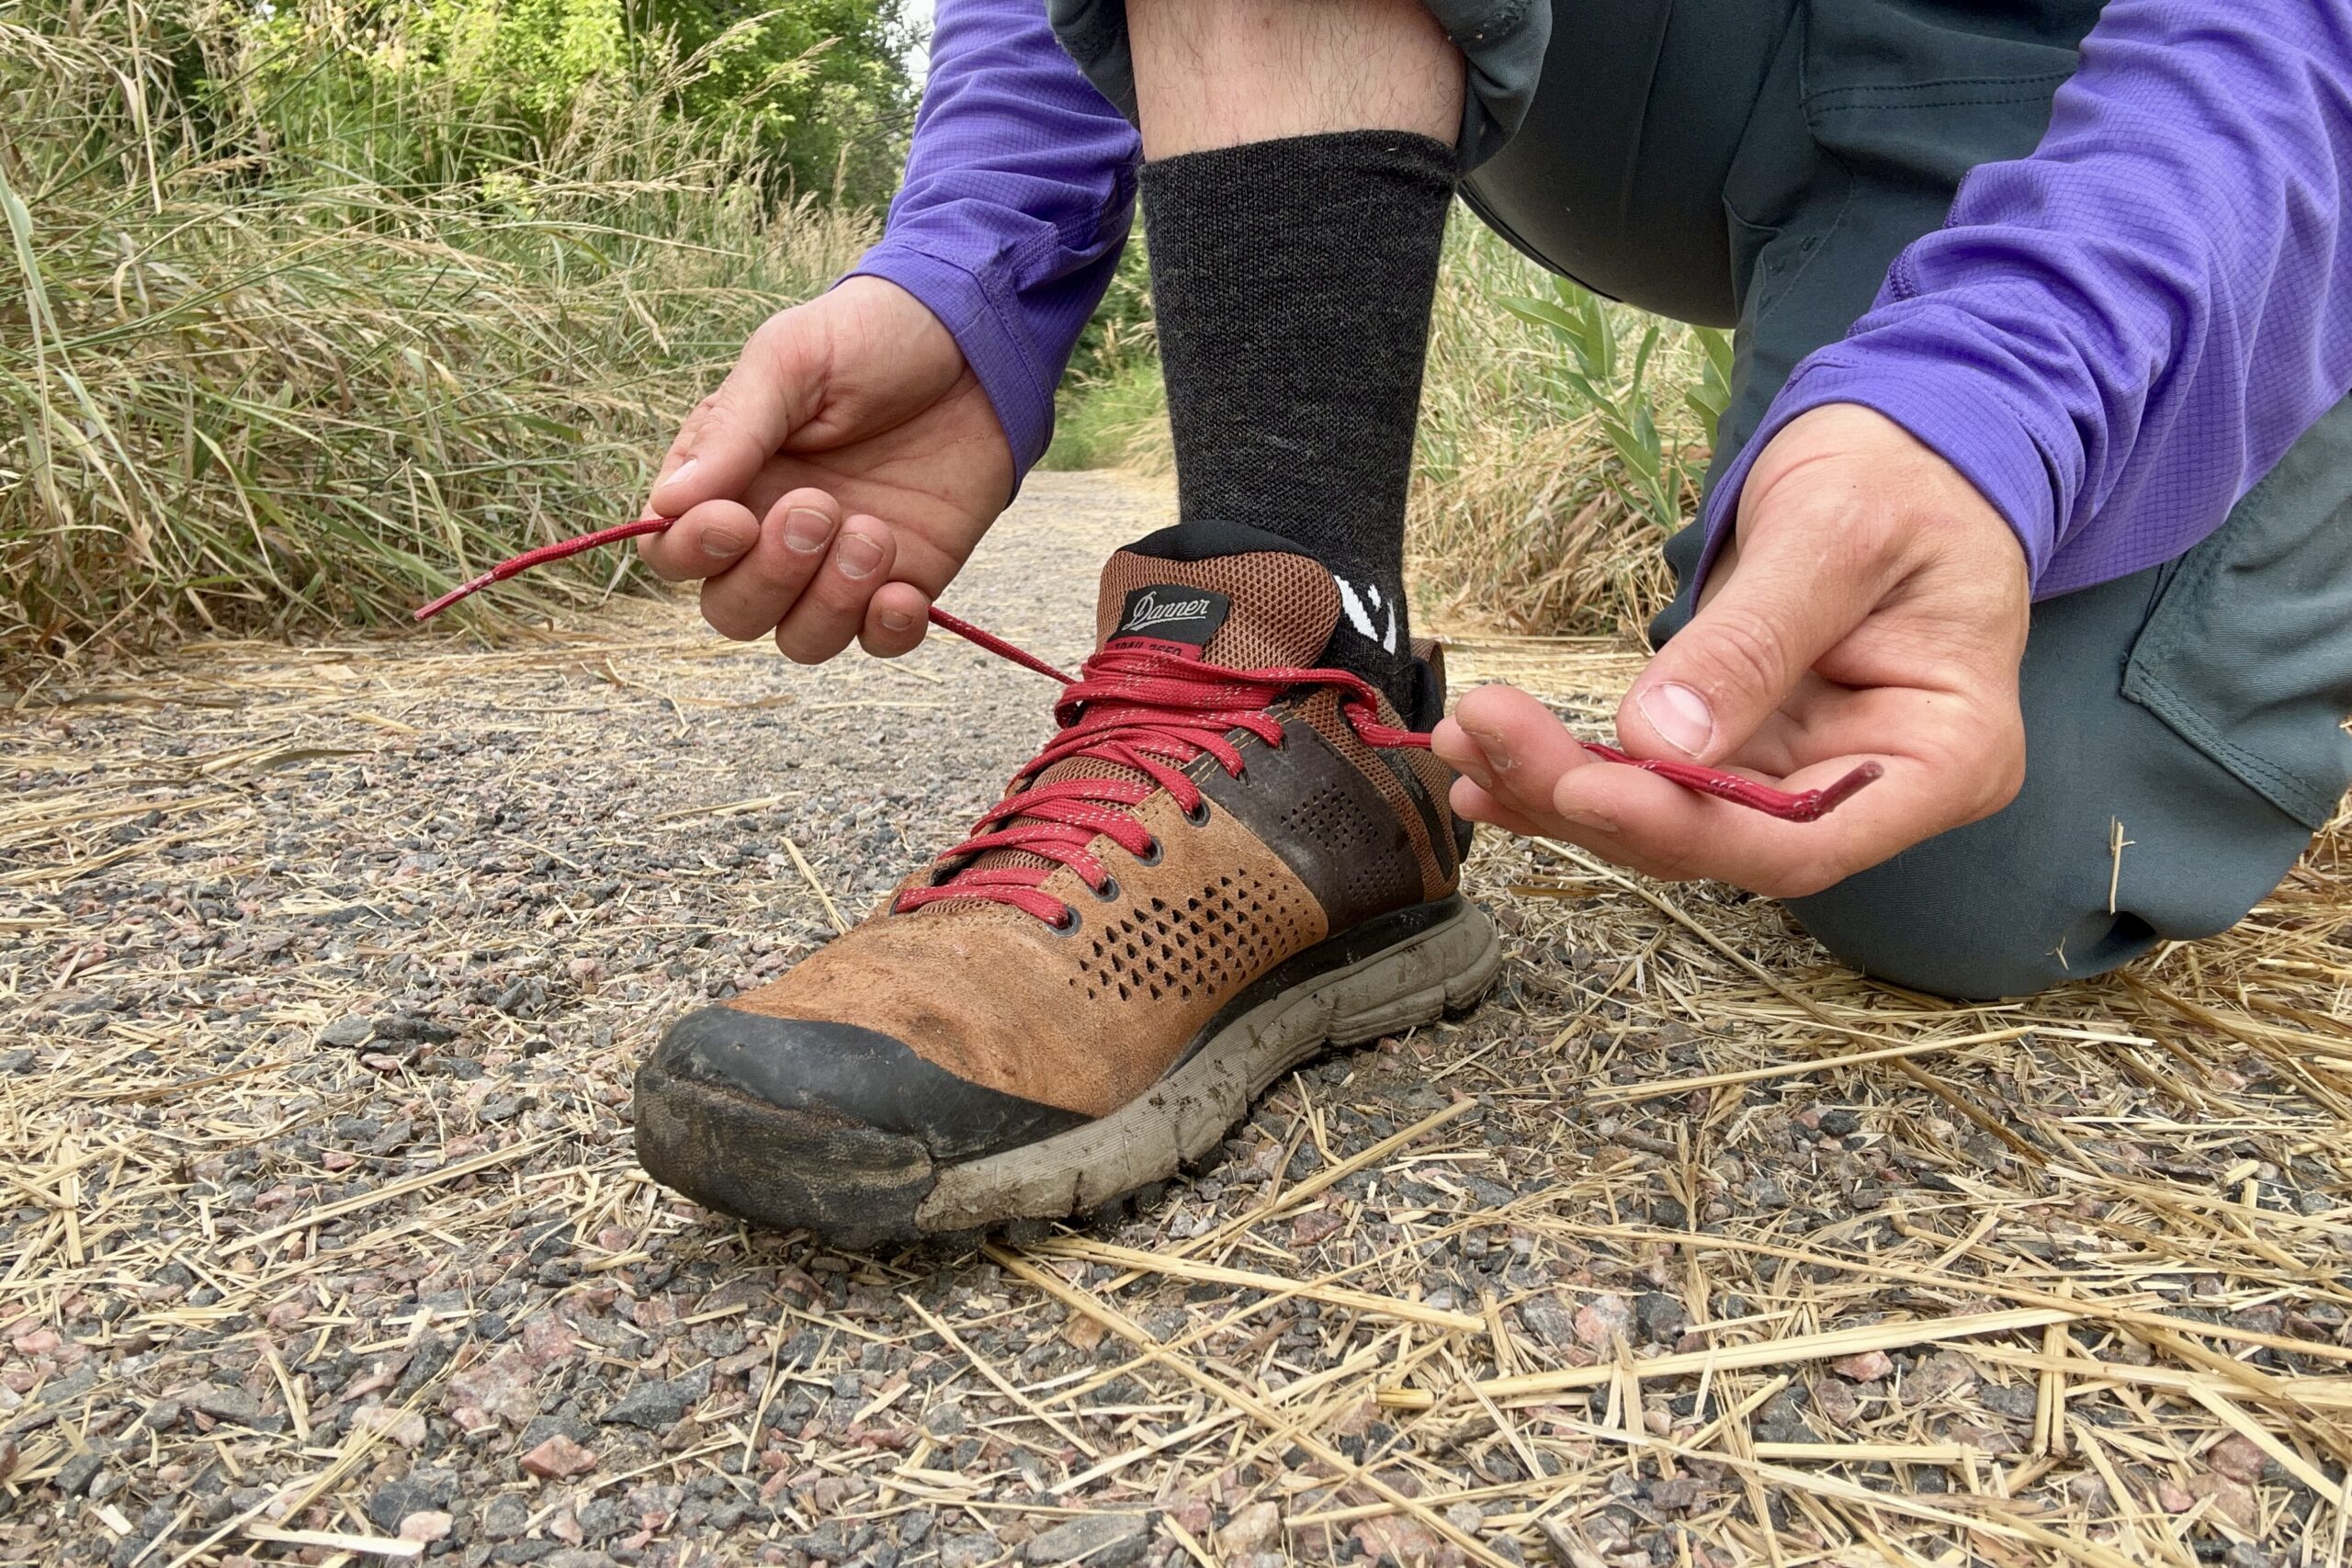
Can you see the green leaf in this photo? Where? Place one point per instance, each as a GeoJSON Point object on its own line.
{"type": "Point", "coordinates": [1642, 356]}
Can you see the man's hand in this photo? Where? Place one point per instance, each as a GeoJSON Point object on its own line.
{"type": "Point", "coordinates": [1872, 606]}
{"type": "Point", "coordinates": [837, 481]}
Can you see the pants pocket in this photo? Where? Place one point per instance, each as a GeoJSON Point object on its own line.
{"type": "Point", "coordinates": [2247, 652]}
{"type": "Point", "coordinates": [1919, 91]}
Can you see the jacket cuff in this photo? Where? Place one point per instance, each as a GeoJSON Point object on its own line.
{"type": "Point", "coordinates": [1967, 415]}
{"type": "Point", "coordinates": [1018, 386]}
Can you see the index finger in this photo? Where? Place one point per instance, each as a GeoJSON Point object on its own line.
{"type": "Point", "coordinates": [730, 433]}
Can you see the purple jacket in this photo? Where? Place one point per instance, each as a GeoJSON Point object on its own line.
{"type": "Point", "coordinates": [2114, 338]}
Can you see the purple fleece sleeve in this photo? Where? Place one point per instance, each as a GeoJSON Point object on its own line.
{"type": "Point", "coordinates": [1018, 188]}
{"type": "Point", "coordinates": [2115, 338]}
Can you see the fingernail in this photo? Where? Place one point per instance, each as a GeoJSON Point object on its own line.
{"type": "Point", "coordinates": [1680, 714]}
{"type": "Point", "coordinates": [1498, 750]}
{"type": "Point", "coordinates": [807, 529]}
{"type": "Point", "coordinates": [678, 474]}
{"type": "Point", "coordinates": [1592, 820]}
{"type": "Point", "coordinates": [895, 620]}
{"type": "Point", "coordinates": [858, 556]}
{"type": "Point", "coordinates": [724, 544]}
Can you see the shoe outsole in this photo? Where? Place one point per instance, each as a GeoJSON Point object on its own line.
{"type": "Point", "coordinates": [859, 1186]}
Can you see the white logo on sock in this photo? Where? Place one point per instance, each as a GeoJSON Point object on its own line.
{"type": "Point", "coordinates": [1360, 619]}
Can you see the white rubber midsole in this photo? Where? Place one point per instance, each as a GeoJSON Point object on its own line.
{"type": "Point", "coordinates": [1445, 967]}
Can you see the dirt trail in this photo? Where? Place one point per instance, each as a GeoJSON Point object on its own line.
{"type": "Point", "coordinates": [325, 970]}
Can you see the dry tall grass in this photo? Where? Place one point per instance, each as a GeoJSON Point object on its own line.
{"type": "Point", "coordinates": [267, 364]}
{"type": "Point", "coordinates": [1525, 515]}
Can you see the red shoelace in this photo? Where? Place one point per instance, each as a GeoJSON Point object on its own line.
{"type": "Point", "coordinates": [1139, 706]}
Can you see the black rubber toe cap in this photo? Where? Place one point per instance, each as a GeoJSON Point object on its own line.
{"type": "Point", "coordinates": [838, 1071]}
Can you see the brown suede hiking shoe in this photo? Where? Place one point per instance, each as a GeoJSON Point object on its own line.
{"type": "Point", "coordinates": [1227, 859]}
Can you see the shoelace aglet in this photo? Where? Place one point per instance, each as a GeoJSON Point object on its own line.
{"type": "Point", "coordinates": [463, 590]}
{"type": "Point", "coordinates": [1822, 801]}
{"type": "Point", "coordinates": [514, 565]}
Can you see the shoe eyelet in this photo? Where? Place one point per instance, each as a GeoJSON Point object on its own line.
{"type": "Point", "coordinates": [1150, 855]}
{"type": "Point", "coordinates": [1198, 813]}
{"type": "Point", "coordinates": [1070, 922]}
{"type": "Point", "coordinates": [1109, 891]}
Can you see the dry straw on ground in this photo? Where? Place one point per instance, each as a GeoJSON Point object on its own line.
{"type": "Point", "coordinates": [325, 969]}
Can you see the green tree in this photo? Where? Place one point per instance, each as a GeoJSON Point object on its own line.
{"type": "Point", "coordinates": [535, 55]}
{"type": "Point", "coordinates": [821, 84]}
{"type": "Point", "coordinates": [815, 91]}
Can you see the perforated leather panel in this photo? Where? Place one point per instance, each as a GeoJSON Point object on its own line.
{"type": "Point", "coordinates": [1321, 709]}
{"type": "Point", "coordinates": [1002, 1000]}
{"type": "Point", "coordinates": [1331, 818]}
{"type": "Point", "coordinates": [1207, 944]}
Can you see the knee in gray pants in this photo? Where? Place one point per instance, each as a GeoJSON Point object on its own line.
{"type": "Point", "coordinates": [2018, 903]}
{"type": "Point", "coordinates": [1906, 923]}
{"type": "Point", "coordinates": [2188, 714]}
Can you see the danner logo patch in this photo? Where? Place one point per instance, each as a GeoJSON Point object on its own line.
{"type": "Point", "coordinates": [1171, 612]}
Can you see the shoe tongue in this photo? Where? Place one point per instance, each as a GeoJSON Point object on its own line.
{"type": "Point", "coordinates": [1239, 597]}
{"type": "Point", "coordinates": [1234, 596]}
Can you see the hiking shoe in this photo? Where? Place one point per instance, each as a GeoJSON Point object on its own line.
{"type": "Point", "coordinates": [1230, 857]}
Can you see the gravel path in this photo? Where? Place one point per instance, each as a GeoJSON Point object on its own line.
{"type": "Point", "coordinates": [326, 969]}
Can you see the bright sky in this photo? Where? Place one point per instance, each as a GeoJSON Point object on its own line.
{"type": "Point", "coordinates": [919, 58]}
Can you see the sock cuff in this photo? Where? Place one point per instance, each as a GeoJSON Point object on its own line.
{"type": "Point", "coordinates": [1402, 159]}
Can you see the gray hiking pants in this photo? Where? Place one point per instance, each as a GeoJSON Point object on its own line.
{"type": "Point", "coordinates": [1759, 164]}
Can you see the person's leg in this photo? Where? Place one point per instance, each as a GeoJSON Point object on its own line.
{"type": "Point", "coordinates": [1761, 163]}
{"type": "Point", "coordinates": [1215, 74]}
{"type": "Point", "coordinates": [1502, 43]}
{"type": "Point", "coordinates": [2215, 764]}
{"type": "Point", "coordinates": [1298, 169]}
{"type": "Point", "coordinates": [1224, 861]}
{"type": "Point", "coordinates": [1870, 115]}
{"type": "Point", "coordinates": [1617, 174]}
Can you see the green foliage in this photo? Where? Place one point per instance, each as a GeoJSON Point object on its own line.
{"type": "Point", "coordinates": [818, 89]}
{"type": "Point", "coordinates": [821, 84]}
{"type": "Point", "coordinates": [1115, 421]}
{"type": "Point", "coordinates": [1710, 395]}
{"type": "Point", "coordinates": [282, 345]}
{"type": "Point", "coordinates": [1111, 410]}
{"type": "Point", "coordinates": [1651, 472]}
{"type": "Point", "coordinates": [1121, 333]}
{"type": "Point", "coordinates": [535, 55]}
{"type": "Point", "coordinates": [1526, 513]}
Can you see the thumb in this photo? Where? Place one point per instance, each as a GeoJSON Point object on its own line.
{"type": "Point", "coordinates": [1711, 688]}
{"type": "Point", "coordinates": [774, 386]}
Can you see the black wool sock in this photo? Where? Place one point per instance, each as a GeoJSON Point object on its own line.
{"type": "Point", "coordinates": [1292, 281]}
